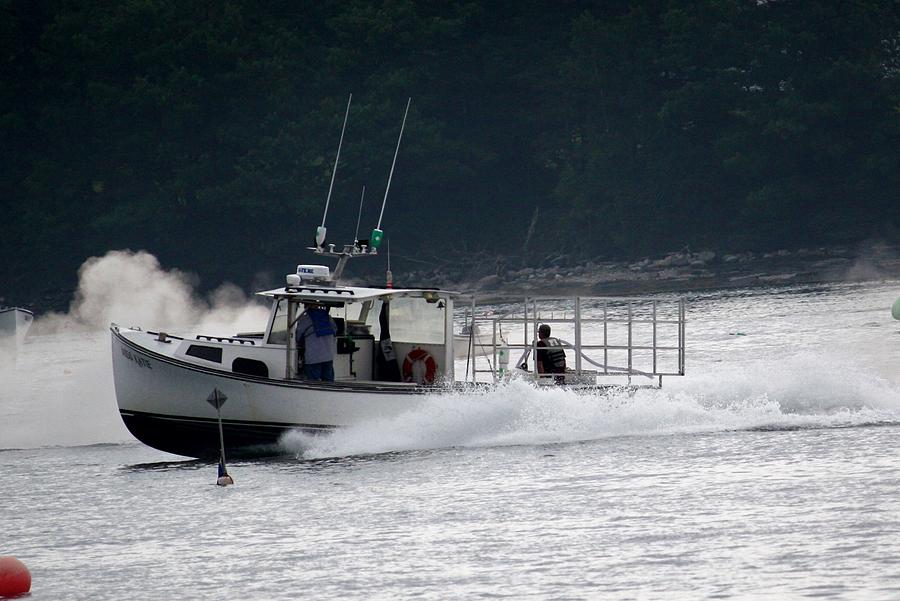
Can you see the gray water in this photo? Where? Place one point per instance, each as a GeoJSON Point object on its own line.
{"type": "Point", "coordinates": [770, 471]}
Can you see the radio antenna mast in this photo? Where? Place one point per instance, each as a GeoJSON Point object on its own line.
{"type": "Point", "coordinates": [320, 231]}
{"type": "Point", "coordinates": [377, 234]}
{"type": "Point", "coordinates": [356, 249]}
{"type": "Point", "coordinates": [389, 275]}
{"type": "Point", "coordinates": [359, 217]}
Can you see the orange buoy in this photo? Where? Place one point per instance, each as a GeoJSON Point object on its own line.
{"type": "Point", "coordinates": [15, 579]}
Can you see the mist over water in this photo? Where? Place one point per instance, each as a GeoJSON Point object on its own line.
{"type": "Point", "coordinates": [131, 288]}
{"type": "Point", "coordinates": [57, 389]}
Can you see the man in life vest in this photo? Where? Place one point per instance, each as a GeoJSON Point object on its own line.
{"type": "Point", "coordinates": [550, 357]}
{"type": "Point", "coordinates": [315, 342]}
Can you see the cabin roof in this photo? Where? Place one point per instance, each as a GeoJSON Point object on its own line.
{"type": "Point", "coordinates": [344, 294]}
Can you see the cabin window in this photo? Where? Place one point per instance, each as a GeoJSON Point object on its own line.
{"type": "Point", "coordinates": [355, 311]}
{"type": "Point", "coordinates": [416, 320]}
{"type": "Point", "coordinates": [347, 312]}
{"type": "Point", "coordinates": [251, 367]}
{"type": "Point", "coordinates": [209, 353]}
{"type": "Point", "coordinates": [278, 334]}
{"type": "Point", "coordinates": [354, 316]}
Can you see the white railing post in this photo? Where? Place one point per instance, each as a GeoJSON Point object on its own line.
{"type": "Point", "coordinates": [578, 335]}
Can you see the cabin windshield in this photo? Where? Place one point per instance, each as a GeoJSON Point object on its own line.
{"type": "Point", "coordinates": [350, 312]}
{"type": "Point", "coordinates": [417, 320]}
{"type": "Point", "coordinates": [278, 334]}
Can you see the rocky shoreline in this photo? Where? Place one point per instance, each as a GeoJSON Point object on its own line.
{"type": "Point", "coordinates": [677, 271]}
{"type": "Point", "coordinates": [500, 276]}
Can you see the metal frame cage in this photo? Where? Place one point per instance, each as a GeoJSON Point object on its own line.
{"type": "Point", "coordinates": [611, 339]}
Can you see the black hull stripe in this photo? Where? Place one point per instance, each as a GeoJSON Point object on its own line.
{"type": "Point", "coordinates": [199, 437]}
{"type": "Point", "coordinates": [225, 422]}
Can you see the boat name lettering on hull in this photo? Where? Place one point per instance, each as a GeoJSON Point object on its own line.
{"type": "Point", "coordinates": [139, 360]}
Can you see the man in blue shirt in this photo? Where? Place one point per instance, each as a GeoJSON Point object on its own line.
{"type": "Point", "coordinates": [315, 341]}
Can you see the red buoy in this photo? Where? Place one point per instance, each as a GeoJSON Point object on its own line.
{"type": "Point", "coordinates": [15, 579]}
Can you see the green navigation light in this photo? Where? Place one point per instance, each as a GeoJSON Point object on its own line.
{"type": "Point", "coordinates": [375, 238]}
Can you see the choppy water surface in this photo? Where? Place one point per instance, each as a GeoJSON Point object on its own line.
{"type": "Point", "coordinates": [771, 470]}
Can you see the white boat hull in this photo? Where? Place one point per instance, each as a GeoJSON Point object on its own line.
{"type": "Point", "coordinates": [483, 345]}
{"type": "Point", "coordinates": [14, 325]}
{"type": "Point", "coordinates": [163, 402]}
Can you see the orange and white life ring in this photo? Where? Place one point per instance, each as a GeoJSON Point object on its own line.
{"type": "Point", "coordinates": [419, 367]}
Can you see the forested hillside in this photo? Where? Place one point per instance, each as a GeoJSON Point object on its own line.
{"type": "Point", "coordinates": [205, 132]}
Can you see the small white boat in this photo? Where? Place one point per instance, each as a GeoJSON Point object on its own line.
{"type": "Point", "coordinates": [472, 340]}
{"type": "Point", "coordinates": [14, 324]}
{"type": "Point", "coordinates": [393, 348]}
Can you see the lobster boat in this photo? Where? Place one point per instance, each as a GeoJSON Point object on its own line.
{"type": "Point", "coordinates": [394, 347]}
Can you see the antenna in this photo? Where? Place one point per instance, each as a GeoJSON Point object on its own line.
{"type": "Point", "coordinates": [359, 217]}
{"type": "Point", "coordinates": [389, 276]}
{"type": "Point", "coordinates": [350, 251]}
{"type": "Point", "coordinates": [320, 231]}
{"type": "Point", "coordinates": [377, 234]}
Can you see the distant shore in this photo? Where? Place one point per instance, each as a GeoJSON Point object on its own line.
{"type": "Point", "coordinates": [497, 276]}
{"type": "Point", "coordinates": [676, 271]}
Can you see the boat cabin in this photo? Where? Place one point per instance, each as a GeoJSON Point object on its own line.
{"type": "Point", "coordinates": [383, 334]}
{"type": "Point", "coordinates": [390, 337]}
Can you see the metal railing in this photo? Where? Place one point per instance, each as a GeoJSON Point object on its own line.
{"type": "Point", "coordinates": [608, 338]}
